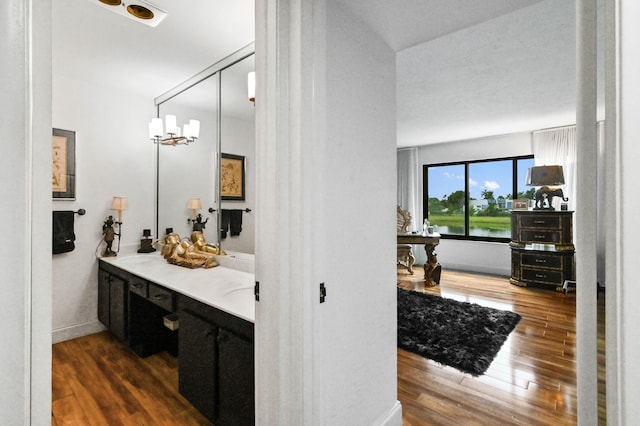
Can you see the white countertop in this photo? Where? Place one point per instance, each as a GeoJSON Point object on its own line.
{"type": "Point", "coordinates": [224, 288]}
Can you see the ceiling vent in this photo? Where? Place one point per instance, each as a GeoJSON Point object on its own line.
{"type": "Point", "coordinates": [138, 10]}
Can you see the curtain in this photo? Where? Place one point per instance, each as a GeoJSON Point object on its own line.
{"type": "Point", "coordinates": [408, 196]}
{"type": "Point", "coordinates": [558, 147]}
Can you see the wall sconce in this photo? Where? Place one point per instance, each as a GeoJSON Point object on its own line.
{"type": "Point", "coordinates": [190, 133]}
{"type": "Point", "coordinates": [195, 204]}
{"type": "Point", "coordinates": [543, 176]}
{"type": "Point", "coordinates": [251, 87]}
{"type": "Point", "coordinates": [118, 204]}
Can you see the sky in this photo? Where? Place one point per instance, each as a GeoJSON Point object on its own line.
{"type": "Point", "coordinates": [493, 176]}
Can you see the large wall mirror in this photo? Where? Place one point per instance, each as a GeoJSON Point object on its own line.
{"type": "Point", "coordinates": [217, 97]}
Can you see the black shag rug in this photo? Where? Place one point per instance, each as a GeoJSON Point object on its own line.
{"type": "Point", "coordinates": [462, 335]}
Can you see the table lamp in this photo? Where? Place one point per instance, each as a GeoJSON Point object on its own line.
{"type": "Point", "coordinates": [543, 176]}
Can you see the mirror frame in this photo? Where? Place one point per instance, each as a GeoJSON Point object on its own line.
{"type": "Point", "coordinates": [210, 71]}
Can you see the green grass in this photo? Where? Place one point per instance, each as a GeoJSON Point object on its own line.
{"type": "Point", "coordinates": [487, 222]}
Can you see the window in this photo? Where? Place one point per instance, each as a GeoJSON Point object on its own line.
{"type": "Point", "coordinates": [473, 200]}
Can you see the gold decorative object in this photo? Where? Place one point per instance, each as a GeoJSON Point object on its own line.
{"type": "Point", "coordinates": [194, 253]}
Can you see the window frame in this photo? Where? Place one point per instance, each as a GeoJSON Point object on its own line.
{"type": "Point", "coordinates": [466, 236]}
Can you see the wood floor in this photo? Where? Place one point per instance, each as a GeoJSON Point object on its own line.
{"type": "Point", "coordinates": [97, 381]}
{"type": "Point", "coordinates": [532, 381]}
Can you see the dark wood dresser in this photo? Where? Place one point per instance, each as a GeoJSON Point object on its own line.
{"type": "Point", "coordinates": [542, 250]}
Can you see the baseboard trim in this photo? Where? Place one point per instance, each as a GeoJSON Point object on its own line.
{"type": "Point", "coordinates": [72, 332]}
{"type": "Point", "coordinates": [476, 269]}
{"type": "Point", "coordinates": [393, 417]}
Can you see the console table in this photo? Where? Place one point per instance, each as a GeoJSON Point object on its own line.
{"type": "Point", "coordinates": [542, 250]}
{"type": "Point", "coordinates": [432, 268]}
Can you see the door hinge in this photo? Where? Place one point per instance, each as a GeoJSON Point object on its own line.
{"type": "Point", "coordinates": [256, 291]}
{"type": "Point", "coordinates": [323, 292]}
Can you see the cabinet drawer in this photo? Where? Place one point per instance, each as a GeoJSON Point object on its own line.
{"type": "Point", "coordinates": [161, 297]}
{"type": "Point", "coordinates": [540, 236]}
{"type": "Point", "coordinates": [540, 221]}
{"type": "Point", "coordinates": [542, 276]}
{"type": "Point", "coordinates": [541, 260]}
{"type": "Point", "coordinates": [138, 286]}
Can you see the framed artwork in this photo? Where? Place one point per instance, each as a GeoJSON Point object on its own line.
{"type": "Point", "coordinates": [231, 177]}
{"type": "Point", "coordinates": [63, 167]}
{"type": "Point", "coordinates": [520, 204]}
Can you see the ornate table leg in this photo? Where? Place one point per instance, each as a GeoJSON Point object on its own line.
{"type": "Point", "coordinates": [432, 268]}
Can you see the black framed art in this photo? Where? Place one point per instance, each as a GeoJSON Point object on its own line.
{"type": "Point", "coordinates": [232, 177]}
{"type": "Point", "coordinates": [63, 166]}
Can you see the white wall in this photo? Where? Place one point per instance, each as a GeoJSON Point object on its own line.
{"type": "Point", "coordinates": [626, 338]}
{"type": "Point", "coordinates": [25, 212]}
{"type": "Point", "coordinates": [113, 157]}
{"type": "Point", "coordinates": [359, 319]}
{"type": "Point", "coordinates": [326, 179]}
{"type": "Point", "coordinates": [477, 256]}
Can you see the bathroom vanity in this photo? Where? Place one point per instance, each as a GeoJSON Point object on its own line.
{"type": "Point", "coordinates": [203, 316]}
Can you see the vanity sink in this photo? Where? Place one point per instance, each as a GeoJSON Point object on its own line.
{"type": "Point", "coordinates": [239, 296]}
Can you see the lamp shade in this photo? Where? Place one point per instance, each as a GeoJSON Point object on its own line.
{"type": "Point", "coordinates": [119, 203]}
{"type": "Point", "coordinates": [545, 175]}
{"type": "Point", "coordinates": [194, 204]}
{"type": "Point", "coordinates": [170, 124]}
{"type": "Point", "coordinates": [155, 128]}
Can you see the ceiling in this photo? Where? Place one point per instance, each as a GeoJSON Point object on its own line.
{"type": "Point", "coordinates": [464, 68]}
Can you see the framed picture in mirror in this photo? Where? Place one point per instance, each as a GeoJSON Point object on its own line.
{"type": "Point", "coordinates": [63, 166]}
{"type": "Point", "coordinates": [232, 177]}
{"type": "Point", "coordinates": [520, 204]}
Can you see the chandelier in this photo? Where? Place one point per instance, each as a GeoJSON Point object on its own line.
{"type": "Point", "coordinates": [172, 134]}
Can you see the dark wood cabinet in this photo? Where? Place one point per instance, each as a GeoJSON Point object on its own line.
{"type": "Point", "coordinates": [215, 349]}
{"type": "Point", "coordinates": [113, 301]}
{"type": "Point", "coordinates": [542, 250]}
{"type": "Point", "coordinates": [217, 377]}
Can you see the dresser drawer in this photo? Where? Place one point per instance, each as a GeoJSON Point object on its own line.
{"type": "Point", "coordinates": [138, 286]}
{"type": "Point", "coordinates": [161, 297]}
{"type": "Point", "coordinates": [540, 236]}
{"type": "Point", "coordinates": [542, 276]}
{"type": "Point", "coordinates": [540, 220]}
{"type": "Point", "coordinates": [541, 260]}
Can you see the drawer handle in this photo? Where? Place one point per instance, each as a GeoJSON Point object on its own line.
{"type": "Point", "coordinates": [539, 237]}
{"type": "Point", "coordinates": [539, 222]}
{"type": "Point", "coordinates": [160, 297]}
{"type": "Point", "coordinates": [541, 261]}
{"type": "Point", "coordinates": [137, 285]}
{"type": "Point", "coordinates": [541, 276]}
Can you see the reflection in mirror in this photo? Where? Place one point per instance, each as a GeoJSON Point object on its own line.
{"type": "Point", "coordinates": [189, 171]}
{"type": "Point", "coordinates": [185, 172]}
{"type": "Point", "coordinates": [237, 129]}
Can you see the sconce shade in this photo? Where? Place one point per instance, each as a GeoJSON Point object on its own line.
{"type": "Point", "coordinates": [194, 204]}
{"type": "Point", "coordinates": [119, 203]}
{"type": "Point", "coordinates": [251, 86]}
{"type": "Point", "coordinates": [170, 124]}
{"type": "Point", "coordinates": [545, 175]}
{"type": "Point", "coordinates": [155, 128]}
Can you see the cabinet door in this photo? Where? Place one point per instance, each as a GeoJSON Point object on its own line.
{"type": "Point", "coordinates": [235, 380]}
{"type": "Point", "coordinates": [118, 307]}
{"type": "Point", "coordinates": [103, 297]}
{"type": "Point", "coordinates": [197, 363]}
